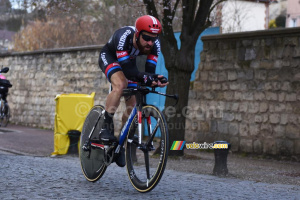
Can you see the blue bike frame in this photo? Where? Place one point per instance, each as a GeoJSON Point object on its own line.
{"type": "Point", "coordinates": [140, 98]}
{"type": "Point", "coordinates": [125, 129]}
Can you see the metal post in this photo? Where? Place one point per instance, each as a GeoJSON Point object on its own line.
{"type": "Point", "coordinates": [220, 168]}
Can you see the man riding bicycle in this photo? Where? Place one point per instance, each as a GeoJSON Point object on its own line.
{"type": "Point", "coordinates": [118, 61]}
{"type": "Point", "coordinates": [3, 88]}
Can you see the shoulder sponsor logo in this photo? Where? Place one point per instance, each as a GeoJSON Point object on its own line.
{"type": "Point", "coordinates": [154, 58]}
{"type": "Point", "coordinates": [157, 43]}
{"type": "Point", "coordinates": [121, 54]}
{"type": "Point", "coordinates": [123, 39]}
{"type": "Point", "coordinates": [104, 59]}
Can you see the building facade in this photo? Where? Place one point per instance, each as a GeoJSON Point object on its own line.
{"type": "Point", "coordinates": [293, 13]}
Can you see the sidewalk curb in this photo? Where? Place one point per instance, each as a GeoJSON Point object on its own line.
{"type": "Point", "coordinates": [19, 153]}
{"type": "Point", "coordinates": [15, 152]}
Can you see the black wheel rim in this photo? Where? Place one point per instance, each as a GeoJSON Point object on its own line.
{"type": "Point", "coordinates": [92, 164]}
{"type": "Point", "coordinates": [136, 169]}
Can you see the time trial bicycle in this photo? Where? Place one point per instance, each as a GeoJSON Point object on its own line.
{"type": "Point", "coordinates": [144, 135]}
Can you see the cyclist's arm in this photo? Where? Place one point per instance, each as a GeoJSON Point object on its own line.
{"type": "Point", "coordinates": [151, 63]}
{"type": "Point", "coordinates": [132, 73]}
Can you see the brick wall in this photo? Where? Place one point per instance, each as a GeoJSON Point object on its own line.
{"type": "Point", "coordinates": [247, 92]}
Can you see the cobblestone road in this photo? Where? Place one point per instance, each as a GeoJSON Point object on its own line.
{"type": "Point", "coordinates": [28, 177]}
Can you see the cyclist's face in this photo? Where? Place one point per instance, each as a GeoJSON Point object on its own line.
{"type": "Point", "coordinates": [146, 42]}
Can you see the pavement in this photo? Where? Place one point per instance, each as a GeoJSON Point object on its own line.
{"type": "Point", "coordinates": [44, 178]}
{"type": "Point", "coordinates": [28, 141]}
{"type": "Point", "coordinates": [24, 140]}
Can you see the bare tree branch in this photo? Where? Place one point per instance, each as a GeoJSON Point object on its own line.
{"type": "Point", "coordinates": [201, 16]}
{"type": "Point", "coordinates": [167, 18]}
{"type": "Point", "coordinates": [175, 8]}
{"type": "Point", "coordinates": [189, 7]}
{"type": "Point", "coordinates": [213, 7]}
{"type": "Point", "coordinates": [150, 7]}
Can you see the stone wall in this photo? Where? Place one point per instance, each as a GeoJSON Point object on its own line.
{"type": "Point", "coordinates": [39, 76]}
{"type": "Point", "coordinates": [247, 92]}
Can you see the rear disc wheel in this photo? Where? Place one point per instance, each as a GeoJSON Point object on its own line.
{"type": "Point", "coordinates": [92, 161]}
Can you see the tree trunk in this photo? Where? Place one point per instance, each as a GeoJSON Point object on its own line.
{"type": "Point", "coordinates": [179, 82]}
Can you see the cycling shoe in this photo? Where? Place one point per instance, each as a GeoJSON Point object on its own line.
{"type": "Point", "coordinates": [106, 136]}
{"type": "Point", "coordinates": [120, 160]}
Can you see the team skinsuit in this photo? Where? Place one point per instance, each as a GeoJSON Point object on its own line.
{"type": "Point", "coordinates": [119, 54]}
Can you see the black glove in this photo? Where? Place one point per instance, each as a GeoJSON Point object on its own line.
{"type": "Point", "coordinates": [148, 79]}
{"type": "Point", "coordinates": [163, 80]}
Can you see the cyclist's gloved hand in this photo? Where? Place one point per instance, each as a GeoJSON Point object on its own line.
{"type": "Point", "coordinates": [148, 79]}
{"type": "Point", "coordinates": [163, 79]}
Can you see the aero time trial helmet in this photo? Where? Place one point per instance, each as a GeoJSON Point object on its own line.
{"type": "Point", "coordinates": [147, 23]}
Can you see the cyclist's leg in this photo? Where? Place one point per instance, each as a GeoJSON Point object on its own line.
{"type": "Point", "coordinates": [114, 74]}
{"type": "Point", "coordinates": [118, 82]}
{"type": "Point", "coordinates": [130, 103]}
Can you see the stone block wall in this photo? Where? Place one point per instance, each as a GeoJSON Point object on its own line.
{"type": "Point", "coordinates": [39, 76]}
{"type": "Point", "coordinates": [247, 92]}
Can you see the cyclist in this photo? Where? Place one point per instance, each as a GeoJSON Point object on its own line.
{"type": "Point", "coordinates": [118, 61]}
{"type": "Point", "coordinates": [3, 89]}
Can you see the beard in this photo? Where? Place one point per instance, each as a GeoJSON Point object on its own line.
{"type": "Point", "coordinates": [143, 49]}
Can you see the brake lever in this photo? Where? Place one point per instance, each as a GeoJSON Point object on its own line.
{"type": "Point", "coordinates": [176, 97]}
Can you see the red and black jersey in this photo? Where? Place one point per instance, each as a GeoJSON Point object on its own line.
{"type": "Point", "coordinates": [120, 54]}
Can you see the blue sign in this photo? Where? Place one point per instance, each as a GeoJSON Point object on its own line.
{"type": "Point", "coordinates": [159, 100]}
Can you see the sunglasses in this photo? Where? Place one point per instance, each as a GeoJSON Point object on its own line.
{"type": "Point", "coordinates": [148, 38]}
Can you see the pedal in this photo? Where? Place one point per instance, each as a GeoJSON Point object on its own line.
{"type": "Point", "coordinates": [109, 154]}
